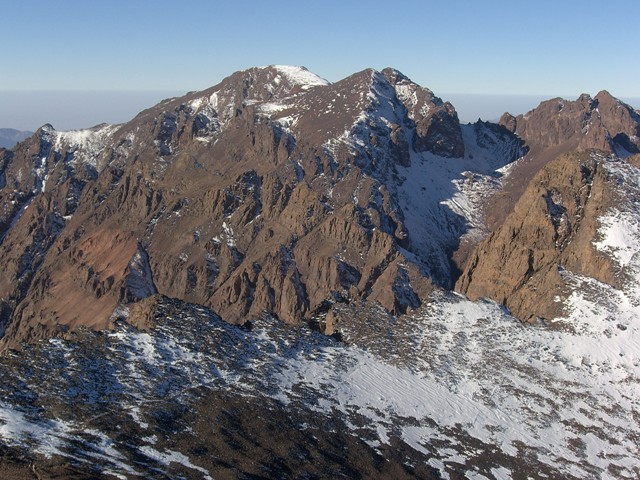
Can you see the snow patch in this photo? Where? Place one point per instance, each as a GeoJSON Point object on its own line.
{"type": "Point", "coordinates": [228, 233]}
{"type": "Point", "coordinates": [170, 456]}
{"type": "Point", "coordinates": [300, 76]}
{"type": "Point", "coordinates": [621, 236]}
{"type": "Point", "coordinates": [86, 145]}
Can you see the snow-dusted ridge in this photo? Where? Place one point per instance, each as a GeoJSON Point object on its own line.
{"type": "Point", "coordinates": [441, 198]}
{"type": "Point", "coordinates": [86, 144]}
{"type": "Point", "coordinates": [80, 147]}
{"type": "Point", "coordinates": [216, 109]}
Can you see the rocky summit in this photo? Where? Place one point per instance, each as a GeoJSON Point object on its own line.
{"type": "Point", "coordinates": [282, 277]}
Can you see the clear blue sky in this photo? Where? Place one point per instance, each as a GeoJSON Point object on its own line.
{"type": "Point", "coordinates": [500, 47]}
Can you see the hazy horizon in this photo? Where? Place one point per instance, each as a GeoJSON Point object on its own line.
{"type": "Point", "coordinates": [499, 47]}
{"type": "Point", "coordinates": [72, 110]}
{"type": "Point", "coordinates": [114, 59]}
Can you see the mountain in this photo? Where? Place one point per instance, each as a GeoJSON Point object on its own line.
{"type": "Point", "coordinates": [10, 136]}
{"type": "Point", "coordinates": [256, 281]}
{"type": "Point", "coordinates": [273, 191]}
{"type": "Point", "coordinates": [603, 123]}
{"type": "Point", "coordinates": [559, 126]}
{"type": "Point", "coordinates": [568, 179]}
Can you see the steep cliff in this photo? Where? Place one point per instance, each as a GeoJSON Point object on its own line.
{"type": "Point", "coordinates": [553, 229]}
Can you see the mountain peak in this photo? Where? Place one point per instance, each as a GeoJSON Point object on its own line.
{"type": "Point", "coordinates": [395, 76]}
{"type": "Point", "coordinates": [605, 95]}
{"type": "Point", "coordinates": [46, 128]}
{"type": "Point", "coordinates": [298, 75]}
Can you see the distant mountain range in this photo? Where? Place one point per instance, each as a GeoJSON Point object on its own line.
{"type": "Point", "coordinates": [10, 136]}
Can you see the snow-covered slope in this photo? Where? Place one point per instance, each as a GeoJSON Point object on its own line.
{"type": "Point", "coordinates": [297, 76]}
{"type": "Point", "coordinates": [471, 389]}
{"type": "Point", "coordinates": [442, 199]}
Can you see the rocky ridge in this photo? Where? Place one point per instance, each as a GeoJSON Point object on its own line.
{"type": "Point", "coordinates": [273, 191]}
{"type": "Point", "coordinates": [602, 122]}
{"type": "Point", "coordinates": [558, 191]}
{"type": "Point", "coordinates": [276, 191]}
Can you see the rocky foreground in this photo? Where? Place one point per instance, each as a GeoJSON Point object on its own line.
{"type": "Point", "coordinates": [458, 389]}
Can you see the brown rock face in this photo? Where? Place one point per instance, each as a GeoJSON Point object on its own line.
{"type": "Point", "coordinates": [272, 191]}
{"type": "Point", "coordinates": [561, 126]}
{"type": "Point", "coordinates": [603, 123]}
{"type": "Point", "coordinates": [544, 218]}
{"type": "Point", "coordinates": [437, 128]}
{"type": "Point", "coordinates": [278, 192]}
{"type": "Point", "coordinates": [551, 228]}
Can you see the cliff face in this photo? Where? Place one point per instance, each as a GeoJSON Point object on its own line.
{"type": "Point", "coordinates": [557, 127]}
{"type": "Point", "coordinates": [272, 191]}
{"type": "Point", "coordinates": [552, 229]}
{"type": "Point", "coordinates": [545, 219]}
